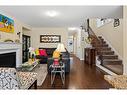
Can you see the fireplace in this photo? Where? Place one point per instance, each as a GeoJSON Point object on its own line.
{"type": "Point", "coordinates": [8, 60]}
{"type": "Point", "coordinates": [11, 54]}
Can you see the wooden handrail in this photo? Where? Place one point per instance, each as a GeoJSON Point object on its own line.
{"type": "Point", "coordinates": [93, 34]}
{"type": "Point", "coordinates": [95, 40]}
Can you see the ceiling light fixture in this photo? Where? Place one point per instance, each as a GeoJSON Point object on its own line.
{"type": "Point", "coordinates": [72, 28]}
{"type": "Point", "coordinates": [52, 13]}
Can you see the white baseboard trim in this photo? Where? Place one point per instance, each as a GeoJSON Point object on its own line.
{"type": "Point", "coordinates": [103, 68]}
{"type": "Point", "coordinates": [120, 57]}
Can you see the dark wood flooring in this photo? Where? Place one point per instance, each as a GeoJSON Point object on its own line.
{"type": "Point", "coordinates": [81, 76]}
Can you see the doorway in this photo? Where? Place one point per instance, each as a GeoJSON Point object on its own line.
{"type": "Point", "coordinates": [71, 44]}
{"type": "Point", "coordinates": [26, 43]}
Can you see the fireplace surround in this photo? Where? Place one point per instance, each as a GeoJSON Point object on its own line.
{"type": "Point", "coordinates": [14, 50]}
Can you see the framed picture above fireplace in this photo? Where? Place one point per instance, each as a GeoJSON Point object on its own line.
{"type": "Point", "coordinates": [50, 38]}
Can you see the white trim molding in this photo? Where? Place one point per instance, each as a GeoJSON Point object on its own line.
{"type": "Point", "coordinates": [98, 64]}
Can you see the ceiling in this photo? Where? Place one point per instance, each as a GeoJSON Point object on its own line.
{"type": "Point", "coordinates": [69, 16]}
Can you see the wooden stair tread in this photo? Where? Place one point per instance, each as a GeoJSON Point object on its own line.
{"type": "Point", "coordinates": [100, 45]}
{"type": "Point", "coordinates": [104, 48]}
{"type": "Point", "coordinates": [112, 60]}
{"type": "Point", "coordinates": [106, 51]}
{"type": "Point", "coordinates": [109, 55]}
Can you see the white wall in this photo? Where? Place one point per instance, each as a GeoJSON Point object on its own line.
{"type": "Point", "coordinates": [75, 45]}
{"type": "Point", "coordinates": [36, 32]}
{"type": "Point", "coordinates": [84, 35]}
{"type": "Point", "coordinates": [79, 47]}
{"type": "Point", "coordinates": [78, 50]}
{"type": "Point", "coordinates": [125, 39]}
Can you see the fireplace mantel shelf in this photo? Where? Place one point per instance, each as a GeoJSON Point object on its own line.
{"type": "Point", "coordinates": [7, 49]}
{"type": "Point", "coordinates": [9, 43]}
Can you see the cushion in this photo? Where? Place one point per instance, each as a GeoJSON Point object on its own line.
{"type": "Point", "coordinates": [37, 52]}
{"type": "Point", "coordinates": [9, 79]}
{"type": "Point", "coordinates": [43, 52]}
{"type": "Point", "coordinates": [56, 61]}
{"type": "Point", "coordinates": [56, 54]}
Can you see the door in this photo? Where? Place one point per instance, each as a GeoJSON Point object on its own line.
{"type": "Point", "coordinates": [26, 44]}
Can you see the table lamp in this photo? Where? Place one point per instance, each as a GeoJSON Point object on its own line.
{"type": "Point", "coordinates": [61, 49]}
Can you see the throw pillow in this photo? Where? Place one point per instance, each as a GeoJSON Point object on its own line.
{"type": "Point", "coordinates": [56, 61]}
{"type": "Point", "coordinates": [56, 54]}
{"type": "Point", "coordinates": [37, 52]}
{"type": "Point", "coordinates": [43, 52]}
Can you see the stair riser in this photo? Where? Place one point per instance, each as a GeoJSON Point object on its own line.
{"type": "Point", "coordinates": [98, 45]}
{"type": "Point", "coordinates": [104, 42]}
{"type": "Point", "coordinates": [99, 37]}
{"type": "Point", "coordinates": [112, 62]}
{"type": "Point", "coordinates": [109, 57]}
{"type": "Point", "coordinates": [105, 48]}
{"type": "Point", "coordinates": [117, 72]}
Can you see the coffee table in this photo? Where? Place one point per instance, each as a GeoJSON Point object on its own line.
{"type": "Point", "coordinates": [28, 66]}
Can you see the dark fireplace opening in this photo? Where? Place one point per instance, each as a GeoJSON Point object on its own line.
{"type": "Point", "coordinates": [8, 60]}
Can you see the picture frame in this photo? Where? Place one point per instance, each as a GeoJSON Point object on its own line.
{"type": "Point", "coordinates": [116, 22]}
{"type": "Point", "coordinates": [50, 38]}
{"type": "Point", "coordinates": [6, 24]}
{"type": "Point", "coordinates": [102, 21]}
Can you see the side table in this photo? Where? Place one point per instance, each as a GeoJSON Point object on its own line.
{"type": "Point", "coordinates": [89, 56]}
{"type": "Point", "coordinates": [57, 69]}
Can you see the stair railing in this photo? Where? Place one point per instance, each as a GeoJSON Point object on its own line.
{"type": "Point", "coordinates": [94, 38]}
{"type": "Point", "coordinates": [95, 41]}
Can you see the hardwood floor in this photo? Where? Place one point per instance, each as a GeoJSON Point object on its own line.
{"type": "Point", "coordinates": [81, 76]}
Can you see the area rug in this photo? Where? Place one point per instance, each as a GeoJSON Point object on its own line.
{"type": "Point", "coordinates": [41, 71]}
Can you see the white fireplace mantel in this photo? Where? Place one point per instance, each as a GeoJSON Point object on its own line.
{"type": "Point", "coordinates": [8, 47]}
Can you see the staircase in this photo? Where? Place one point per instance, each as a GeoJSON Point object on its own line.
{"type": "Point", "coordinates": [105, 54]}
{"type": "Point", "coordinates": [108, 57]}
